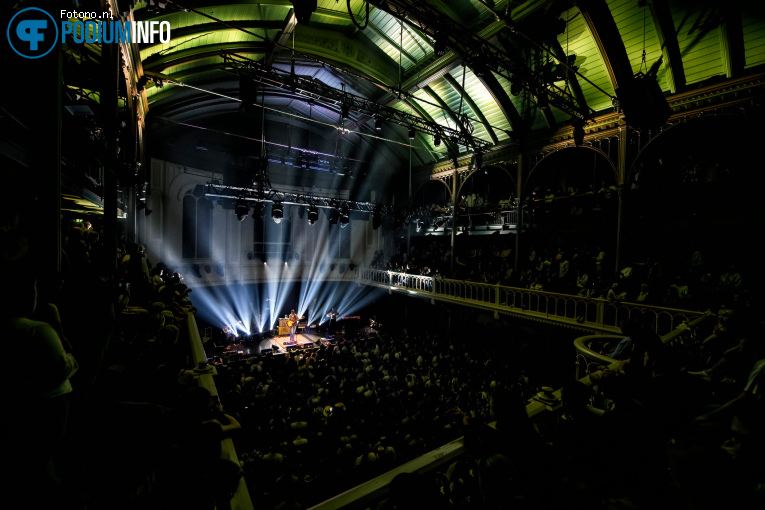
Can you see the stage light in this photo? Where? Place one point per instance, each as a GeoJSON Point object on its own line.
{"type": "Point", "coordinates": [376, 218]}
{"type": "Point", "coordinates": [478, 160]}
{"type": "Point", "coordinates": [378, 123]}
{"type": "Point", "coordinates": [437, 140]}
{"type": "Point", "coordinates": [313, 215]}
{"type": "Point", "coordinates": [345, 110]}
{"type": "Point", "coordinates": [411, 133]}
{"type": "Point", "coordinates": [240, 208]}
{"type": "Point", "coordinates": [334, 216]}
{"type": "Point", "coordinates": [277, 212]}
{"type": "Point", "coordinates": [345, 216]}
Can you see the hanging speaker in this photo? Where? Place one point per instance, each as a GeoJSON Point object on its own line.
{"type": "Point", "coordinates": [643, 103]}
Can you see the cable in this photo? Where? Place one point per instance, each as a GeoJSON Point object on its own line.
{"type": "Point", "coordinates": [353, 18]}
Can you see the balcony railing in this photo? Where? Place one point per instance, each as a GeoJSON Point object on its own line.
{"type": "Point", "coordinates": [589, 348]}
{"type": "Point", "coordinates": [566, 309]}
{"type": "Point", "coordinates": [241, 499]}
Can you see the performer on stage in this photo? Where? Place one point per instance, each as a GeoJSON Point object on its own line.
{"type": "Point", "coordinates": [293, 324]}
{"type": "Point", "coordinates": [332, 315]}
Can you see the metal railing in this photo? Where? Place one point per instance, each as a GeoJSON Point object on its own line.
{"type": "Point", "coordinates": [241, 499]}
{"type": "Point", "coordinates": [588, 348]}
{"type": "Point", "coordinates": [599, 314]}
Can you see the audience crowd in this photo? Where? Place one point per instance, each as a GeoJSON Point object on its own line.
{"type": "Point", "coordinates": [318, 422]}
{"type": "Point", "coordinates": [108, 412]}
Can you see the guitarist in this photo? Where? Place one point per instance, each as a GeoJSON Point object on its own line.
{"type": "Point", "coordinates": [292, 322]}
{"type": "Point", "coordinates": [332, 316]}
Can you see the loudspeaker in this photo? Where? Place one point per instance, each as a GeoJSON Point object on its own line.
{"type": "Point", "coordinates": [643, 102]}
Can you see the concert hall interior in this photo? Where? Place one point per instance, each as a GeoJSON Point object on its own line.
{"type": "Point", "coordinates": [383, 254]}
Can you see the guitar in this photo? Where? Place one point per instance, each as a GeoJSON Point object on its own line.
{"type": "Point", "coordinates": [290, 323]}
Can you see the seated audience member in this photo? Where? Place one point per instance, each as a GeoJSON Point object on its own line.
{"type": "Point", "coordinates": [616, 294]}
{"type": "Point", "coordinates": [751, 348]}
{"type": "Point", "coordinates": [623, 349]}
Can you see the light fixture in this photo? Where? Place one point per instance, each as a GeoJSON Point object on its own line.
{"type": "Point", "coordinates": [478, 160]}
{"type": "Point", "coordinates": [376, 218]}
{"type": "Point", "coordinates": [411, 133]}
{"type": "Point", "coordinates": [345, 216]}
{"type": "Point", "coordinates": [437, 140]}
{"type": "Point", "coordinates": [277, 211]}
{"type": "Point", "coordinates": [240, 208]}
{"type": "Point", "coordinates": [345, 111]}
{"type": "Point", "coordinates": [378, 123]}
{"type": "Point", "coordinates": [313, 215]}
{"type": "Point", "coordinates": [578, 133]}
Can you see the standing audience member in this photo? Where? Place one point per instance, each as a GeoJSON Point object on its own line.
{"type": "Point", "coordinates": [37, 380]}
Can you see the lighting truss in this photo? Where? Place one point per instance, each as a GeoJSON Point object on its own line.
{"type": "Point", "coordinates": [318, 91]}
{"type": "Point", "coordinates": [479, 53]}
{"type": "Point", "coordinates": [285, 197]}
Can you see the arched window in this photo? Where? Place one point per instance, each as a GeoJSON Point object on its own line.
{"type": "Point", "coordinates": [197, 227]}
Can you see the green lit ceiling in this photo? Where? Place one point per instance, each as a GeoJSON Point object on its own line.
{"type": "Point", "coordinates": [688, 42]}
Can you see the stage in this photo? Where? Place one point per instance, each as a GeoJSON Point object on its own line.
{"type": "Point", "coordinates": [280, 344]}
{"type": "Point", "coordinates": [302, 340]}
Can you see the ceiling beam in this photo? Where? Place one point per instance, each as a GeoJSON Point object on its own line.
{"type": "Point", "coordinates": [157, 62]}
{"type": "Point", "coordinates": [145, 13]}
{"type": "Point", "coordinates": [504, 102]}
{"type": "Point", "coordinates": [670, 48]}
{"type": "Point", "coordinates": [606, 35]}
{"type": "Point", "coordinates": [471, 104]}
{"type": "Point", "coordinates": [732, 40]}
{"type": "Point", "coordinates": [390, 41]}
{"type": "Point", "coordinates": [290, 22]}
{"type": "Point", "coordinates": [203, 28]}
{"type": "Point", "coordinates": [445, 107]}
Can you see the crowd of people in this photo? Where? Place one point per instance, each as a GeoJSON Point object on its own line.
{"type": "Point", "coordinates": [318, 422]}
{"type": "Point", "coordinates": [675, 425]}
{"type": "Point", "coordinates": [106, 412]}
{"type": "Point", "coordinates": [109, 413]}
{"type": "Point", "coordinates": [578, 268]}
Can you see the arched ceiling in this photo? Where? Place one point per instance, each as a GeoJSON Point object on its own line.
{"type": "Point", "coordinates": [394, 63]}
